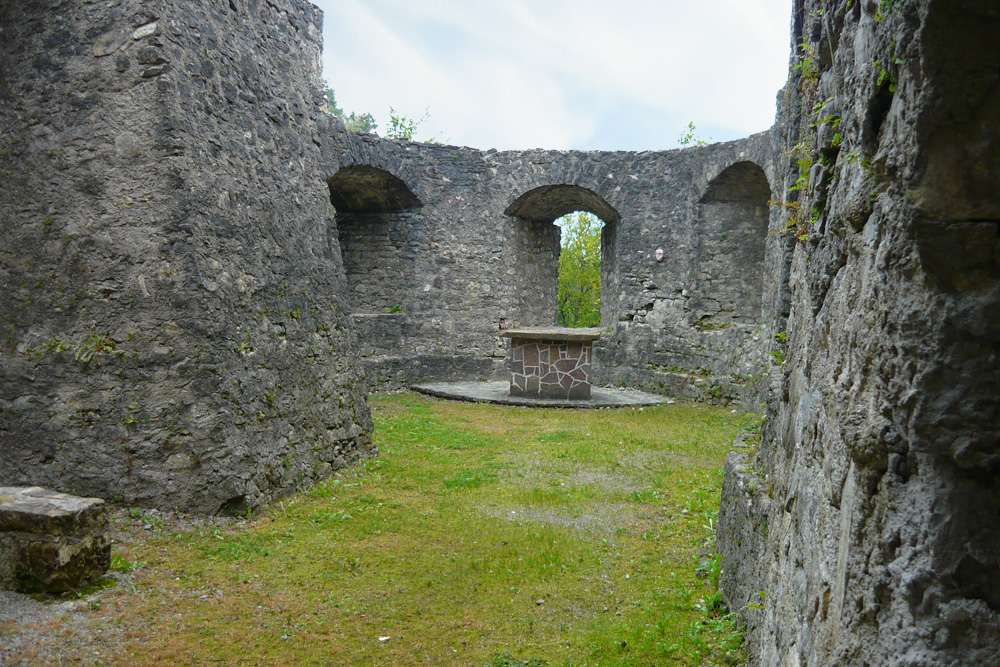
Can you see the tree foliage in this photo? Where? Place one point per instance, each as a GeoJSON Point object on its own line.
{"type": "Point", "coordinates": [363, 123]}
{"type": "Point", "coordinates": [580, 271]}
{"type": "Point", "coordinates": [400, 127]}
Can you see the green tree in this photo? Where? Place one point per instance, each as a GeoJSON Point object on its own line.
{"type": "Point", "coordinates": [363, 123]}
{"type": "Point", "coordinates": [580, 270]}
{"type": "Point", "coordinates": [331, 102]}
{"type": "Point", "coordinates": [400, 127]}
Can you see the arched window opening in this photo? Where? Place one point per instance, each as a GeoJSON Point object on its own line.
{"type": "Point", "coordinates": [541, 250]}
{"type": "Point", "coordinates": [578, 303]}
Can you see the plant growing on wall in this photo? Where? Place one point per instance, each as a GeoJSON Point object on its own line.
{"type": "Point", "coordinates": [401, 127]}
{"type": "Point", "coordinates": [688, 137]}
{"type": "Point", "coordinates": [580, 271]}
{"type": "Point", "coordinates": [807, 65]}
{"type": "Point", "coordinates": [798, 225]}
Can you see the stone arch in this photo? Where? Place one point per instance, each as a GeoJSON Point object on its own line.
{"type": "Point", "coordinates": [536, 247]}
{"type": "Point", "coordinates": [378, 234]}
{"type": "Point", "coordinates": [733, 221]}
{"type": "Point", "coordinates": [360, 189]}
{"type": "Point", "coordinates": [550, 202]}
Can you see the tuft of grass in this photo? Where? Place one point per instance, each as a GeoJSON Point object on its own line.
{"type": "Point", "coordinates": [121, 564]}
{"type": "Point", "coordinates": [482, 535]}
{"type": "Point", "coordinates": [505, 659]}
{"type": "Point", "coordinates": [471, 478]}
{"type": "Point", "coordinates": [246, 546]}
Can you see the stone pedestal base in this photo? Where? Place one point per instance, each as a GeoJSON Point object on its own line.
{"type": "Point", "coordinates": [551, 363]}
{"type": "Point", "coordinates": [51, 542]}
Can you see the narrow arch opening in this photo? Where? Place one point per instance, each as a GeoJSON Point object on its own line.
{"type": "Point", "coordinates": [378, 232]}
{"type": "Point", "coordinates": [578, 302]}
{"type": "Point", "coordinates": [540, 253]}
{"type": "Point", "coordinates": [733, 219]}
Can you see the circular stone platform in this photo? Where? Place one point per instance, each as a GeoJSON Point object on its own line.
{"type": "Point", "coordinates": [499, 392]}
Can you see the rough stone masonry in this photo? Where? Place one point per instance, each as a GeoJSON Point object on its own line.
{"type": "Point", "coordinates": [864, 531]}
{"type": "Point", "coordinates": [199, 262]}
{"type": "Point", "coordinates": [441, 243]}
{"type": "Point", "coordinates": [174, 324]}
{"type": "Point", "coordinates": [204, 274]}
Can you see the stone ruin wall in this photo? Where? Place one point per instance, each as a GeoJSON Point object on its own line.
{"type": "Point", "coordinates": [476, 244]}
{"type": "Point", "coordinates": [179, 329]}
{"type": "Point", "coordinates": [862, 528]}
{"type": "Point", "coordinates": [174, 327]}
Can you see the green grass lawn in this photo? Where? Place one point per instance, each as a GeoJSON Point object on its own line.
{"type": "Point", "coordinates": [481, 535]}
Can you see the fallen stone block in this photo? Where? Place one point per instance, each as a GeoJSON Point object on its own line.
{"type": "Point", "coordinates": [51, 542]}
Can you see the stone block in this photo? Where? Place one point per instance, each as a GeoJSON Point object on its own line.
{"type": "Point", "coordinates": [51, 542]}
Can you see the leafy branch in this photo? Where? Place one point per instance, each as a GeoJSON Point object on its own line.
{"type": "Point", "coordinates": [402, 127]}
{"type": "Point", "coordinates": [688, 137]}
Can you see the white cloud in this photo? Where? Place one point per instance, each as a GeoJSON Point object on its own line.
{"type": "Point", "coordinates": [522, 73]}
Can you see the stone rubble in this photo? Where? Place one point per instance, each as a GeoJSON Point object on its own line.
{"type": "Point", "coordinates": [51, 542]}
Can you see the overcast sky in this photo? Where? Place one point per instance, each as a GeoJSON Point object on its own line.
{"type": "Point", "coordinates": [561, 74]}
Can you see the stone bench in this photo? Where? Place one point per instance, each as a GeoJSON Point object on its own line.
{"type": "Point", "coordinates": [51, 542]}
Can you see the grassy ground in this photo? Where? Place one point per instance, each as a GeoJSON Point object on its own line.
{"type": "Point", "coordinates": [481, 535]}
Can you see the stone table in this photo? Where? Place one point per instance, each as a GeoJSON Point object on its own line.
{"type": "Point", "coordinates": [551, 362]}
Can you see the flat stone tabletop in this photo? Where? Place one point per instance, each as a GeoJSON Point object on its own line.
{"type": "Point", "coordinates": [555, 333]}
{"type": "Point", "coordinates": [33, 509]}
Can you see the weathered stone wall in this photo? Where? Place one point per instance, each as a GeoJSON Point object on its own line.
{"type": "Point", "coordinates": [732, 221]}
{"type": "Point", "coordinates": [176, 214]}
{"type": "Point", "coordinates": [378, 252]}
{"type": "Point", "coordinates": [174, 327]}
{"type": "Point", "coordinates": [530, 271]}
{"type": "Point", "coordinates": [481, 246]}
{"type": "Point", "coordinates": [870, 516]}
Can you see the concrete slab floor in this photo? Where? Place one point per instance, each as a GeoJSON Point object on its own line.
{"type": "Point", "coordinates": [499, 392]}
